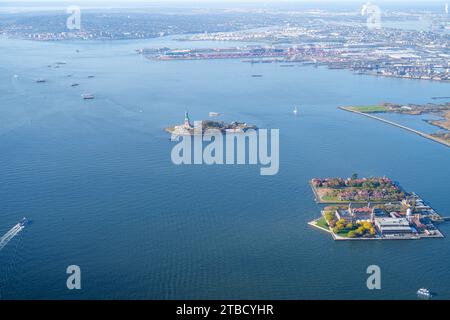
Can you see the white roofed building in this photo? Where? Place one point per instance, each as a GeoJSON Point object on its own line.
{"type": "Point", "coordinates": [390, 226]}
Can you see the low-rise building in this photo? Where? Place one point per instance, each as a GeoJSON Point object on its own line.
{"type": "Point", "coordinates": [362, 214]}
{"type": "Point", "coordinates": [343, 214]}
{"type": "Point", "coordinates": [355, 214]}
{"type": "Point", "coordinates": [390, 226]}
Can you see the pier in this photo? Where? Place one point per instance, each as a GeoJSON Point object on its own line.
{"type": "Point", "coordinates": [425, 135]}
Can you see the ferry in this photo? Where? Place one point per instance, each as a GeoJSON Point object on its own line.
{"type": "Point", "coordinates": [23, 222]}
{"type": "Point", "coordinates": [87, 96]}
{"type": "Point", "coordinates": [424, 293]}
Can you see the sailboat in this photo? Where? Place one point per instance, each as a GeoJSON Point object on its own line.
{"type": "Point", "coordinates": [295, 110]}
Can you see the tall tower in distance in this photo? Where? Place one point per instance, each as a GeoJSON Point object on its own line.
{"type": "Point", "coordinates": [187, 122]}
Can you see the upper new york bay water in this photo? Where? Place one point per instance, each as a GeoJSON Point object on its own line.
{"type": "Point", "coordinates": [96, 181]}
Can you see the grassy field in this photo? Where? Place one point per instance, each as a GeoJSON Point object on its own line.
{"type": "Point", "coordinates": [368, 109]}
{"type": "Point", "coordinates": [322, 223]}
{"type": "Point", "coordinates": [328, 199]}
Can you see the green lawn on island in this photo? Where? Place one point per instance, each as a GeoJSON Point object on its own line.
{"type": "Point", "coordinates": [368, 109]}
{"type": "Point", "coordinates": [332, 199]}
{"type": "Point", "coordinates": [329, 199]}
{"type": "Point", "coordinates": [322, 223]}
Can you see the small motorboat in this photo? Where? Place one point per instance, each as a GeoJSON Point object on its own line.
{"type": "Point", "coordinates": [87, 96]}
{"type": "Point", "coordinates": [23, 222]}
{"type": "Point", "coordinates": [423, 293]}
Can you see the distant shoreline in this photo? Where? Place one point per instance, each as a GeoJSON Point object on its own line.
{"type": "Point", "coordinates": [420, 133]}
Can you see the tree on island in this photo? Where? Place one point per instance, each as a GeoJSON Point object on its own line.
{"type": "Point", "coordinates": [352, 234]}
{"type": "Point", "coordinates": [329, 216]}
{"type": "Point", "coordinates": [355, 230]}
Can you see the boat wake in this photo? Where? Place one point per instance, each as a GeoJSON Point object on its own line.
{"type": "Point", "coordinates": [7, 237]}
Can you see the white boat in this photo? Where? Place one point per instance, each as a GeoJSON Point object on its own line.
{"type": "Point", "coordinates": [23, 222]}
{"type": "Point", "coordinates": [424, 293]}
{"type": "Point", "coordinates": [87, 96]}
{"type": "Point", "coordinates": [295, 110]}
{"type": "Point", "coordinates": [214, 114]}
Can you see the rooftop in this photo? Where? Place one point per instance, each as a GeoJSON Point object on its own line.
{"type": "Point", "coordinates": [392, 222]}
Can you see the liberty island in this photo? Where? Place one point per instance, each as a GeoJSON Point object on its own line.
{"type": "Point", "coordinates": [187, 129]}
{"type": "Point", "coordinates": [226, 144]}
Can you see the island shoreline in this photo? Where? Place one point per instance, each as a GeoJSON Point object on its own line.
{"type": "Point", "coordinates": [422, 134]}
